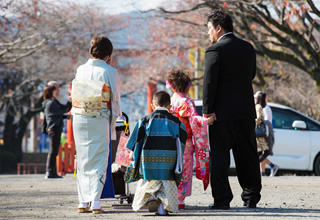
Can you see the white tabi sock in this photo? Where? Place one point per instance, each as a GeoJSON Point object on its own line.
{"type": "Point", "coordinates": [83, 205]}
{"type": "Point", "coordinates": [181, 201]}
{"type": "Point", "coordinates": [161, 210]}
{"type": "Point", "coordinates": [95, 205]}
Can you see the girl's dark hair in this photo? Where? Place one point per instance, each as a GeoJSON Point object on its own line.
{"type": "Point", "coordinates": [179, 80]}
{"type": "Point", "coordinates": [100, 47]}
{"type": "Point", "coordinates": [48, 92]}
{"type": "Point", "coordinates": [261, 99]}
{"type": "Point", "coordinates": [222, 18]}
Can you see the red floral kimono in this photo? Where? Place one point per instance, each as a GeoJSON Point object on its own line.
{"type": "Point", "coordinates": [184, 108]}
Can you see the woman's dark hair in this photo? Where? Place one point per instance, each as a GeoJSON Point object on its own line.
{"type": "Point", "coordinates": [261, 99]}
{"type": "Point", "coordinates": [48, 92]}
{"type": "Point", "coordinates": [100, 47]}
{"type": "Point", "coordinates": [222, 18]}
{"type": "Point", "coordinates": [179, 80]}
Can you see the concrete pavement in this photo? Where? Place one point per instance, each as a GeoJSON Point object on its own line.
{"type": "Point", "coordinates": [34, 197]}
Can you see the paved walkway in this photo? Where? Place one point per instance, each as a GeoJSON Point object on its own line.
{"type": "Point", "coordinates": [33, 197]}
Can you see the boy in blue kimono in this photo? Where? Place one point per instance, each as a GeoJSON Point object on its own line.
{"type": "Point", "coordinates": [154, 142]}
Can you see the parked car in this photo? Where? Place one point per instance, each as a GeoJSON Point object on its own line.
{"type": "Point", "coordinates": [297, 139]}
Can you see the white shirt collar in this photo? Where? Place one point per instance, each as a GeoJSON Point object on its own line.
{"type": "Point", "coordinates": [161, 108]}
{"type": "Point", "coordinates": [224, 35]}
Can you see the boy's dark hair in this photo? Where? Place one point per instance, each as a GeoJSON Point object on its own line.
{"type": "Point", "coordinates": [222, 18]}
{"type": "Point", "coordinates": [179, 79]}
{"type": "Point", "coordinates": [161, 98]}
{"type": "Point", "coordinates": [100, 47]}
{"type": "Point", "coordinates": [48, 92]}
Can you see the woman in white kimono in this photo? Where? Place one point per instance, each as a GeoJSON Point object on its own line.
{"type": "Point", "coordinates": [96, 105]}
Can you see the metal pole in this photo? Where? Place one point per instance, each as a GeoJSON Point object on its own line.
{"type": "Point", "coordinates": [196, 74]}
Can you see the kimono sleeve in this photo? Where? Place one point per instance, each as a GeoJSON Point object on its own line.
{"type": "Point", "coordinates": [135, 141]}
{"type": "Point", "coordinates": [136, 136]}
{"type": "Point", "coordinates": [183, 110]}
{"type": "Point", "coordinates": [194, 119]}
{"type": "Point", "coordinates": [198, 126]}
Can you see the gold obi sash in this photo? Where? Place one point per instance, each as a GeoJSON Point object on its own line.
{"type": "Point", "coordinates": [89, 97]}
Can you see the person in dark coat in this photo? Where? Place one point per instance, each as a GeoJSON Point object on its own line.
{"type": "Point", "coordinates": [230, 67]}
{"type": "Point", "coordinates": [53, 111]}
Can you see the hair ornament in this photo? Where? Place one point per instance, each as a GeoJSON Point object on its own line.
{"type": "Point", "coordinates": [168, 84]}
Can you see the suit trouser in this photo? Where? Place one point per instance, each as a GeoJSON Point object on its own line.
{"type": "Point", "coordinates": [238, 135]}
{"type": "Point", "coordinates": [55, 139]}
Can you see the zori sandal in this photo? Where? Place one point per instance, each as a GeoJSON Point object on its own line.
{"type": "Point", "coordinates": [98, 211]}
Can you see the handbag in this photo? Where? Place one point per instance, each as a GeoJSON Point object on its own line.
{"type": "Point", "coordinates": [262, 146]}
{"type": "Point", "coordinates": [262, 129]}
{"type": "Point", "coordinates": [179, 165]}
{"type": "Point", "coordinates": [122, 155]}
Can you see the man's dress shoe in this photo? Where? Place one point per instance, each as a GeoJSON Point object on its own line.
{"type": "Point", "coordinates": [53, 176]}
{"type": "Point", "coordinates": [220, 207]}
{"type": "Point", "coordinates": [250, 205]}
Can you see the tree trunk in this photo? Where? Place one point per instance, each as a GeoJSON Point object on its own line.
{"type": "Point", "coordinates": [14, 132]}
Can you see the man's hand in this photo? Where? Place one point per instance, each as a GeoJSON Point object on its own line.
{"type": "Point", "coordinates": [211, 120]}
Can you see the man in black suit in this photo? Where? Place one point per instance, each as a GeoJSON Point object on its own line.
{"type": "Point", "coordinates": [230, 66]}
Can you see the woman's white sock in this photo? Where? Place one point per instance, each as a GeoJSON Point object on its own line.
{"type": "Point", "coordinates": [83, 205]}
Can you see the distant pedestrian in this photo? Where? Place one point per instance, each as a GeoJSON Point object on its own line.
{"type": "Point", "coordinates": [154, 142]}
{"type": "Point", "coordinates": [230, 66]}
{"type": "Point", "coordinates": [261, 98]}
{"type": "Point", "coordinates": [54, 114]}
{"type": "Point", "coordinates": [262, 145]}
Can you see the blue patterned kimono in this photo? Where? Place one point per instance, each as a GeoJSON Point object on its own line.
{"type": "Point", "coordinates": [153, 141]}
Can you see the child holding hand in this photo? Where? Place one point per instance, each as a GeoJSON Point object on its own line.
{"type": "Point", "coordinates": [183, 107]}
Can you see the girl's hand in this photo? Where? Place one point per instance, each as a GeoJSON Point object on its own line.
{"type": "Point", "coordinates": [131, 155]}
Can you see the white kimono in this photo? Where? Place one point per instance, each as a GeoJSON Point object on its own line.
{"type": "Point", "coordinates": [92, 131]}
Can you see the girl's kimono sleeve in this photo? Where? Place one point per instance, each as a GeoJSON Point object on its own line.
{"type": "Point", "coordinates": [198, 126]}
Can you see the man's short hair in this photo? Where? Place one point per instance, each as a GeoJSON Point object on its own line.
{"type": "Point", "coordinates": [221, 17]}
{"type": "Point", "coordinates": [161, 98]}
{"type": "Point", "coordinates": [100, 47]}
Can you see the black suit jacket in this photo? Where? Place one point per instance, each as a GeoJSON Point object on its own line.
{"type": "Point", "coordinates": [230, 66]}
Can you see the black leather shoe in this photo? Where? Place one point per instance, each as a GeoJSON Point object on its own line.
{"type": "Point", "coordinates": [250, 205]}
{"type": "Point", "coordinates": [220, 207]}
{"type": "Point", "coordinates": [53, 176]}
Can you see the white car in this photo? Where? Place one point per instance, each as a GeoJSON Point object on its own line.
{"type": "Point", "coordinates": [297, 139]}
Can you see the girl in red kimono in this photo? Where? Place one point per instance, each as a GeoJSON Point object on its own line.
{"type": "Point", "coordinates": [183, 107]}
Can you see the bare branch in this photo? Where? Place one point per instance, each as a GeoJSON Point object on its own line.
{"type": "Point", "coordinates": [314, 8]}
{"type": "Point", "coordinates": [198, 6]}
